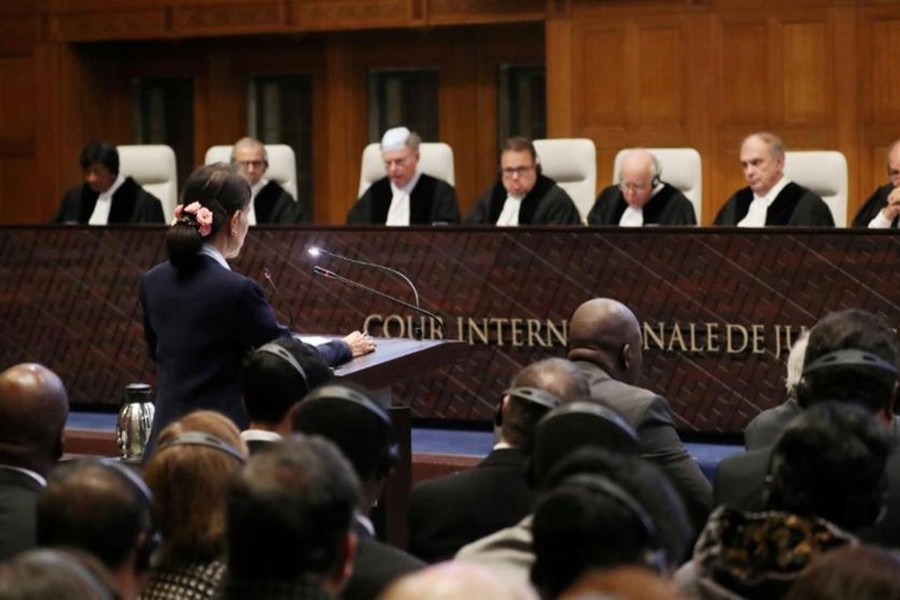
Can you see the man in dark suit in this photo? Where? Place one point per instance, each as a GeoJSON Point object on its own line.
{"type": "Point", "coordinates": [882, 209]}
{"type": "Point", "coordinates": [606, 346]}
{"type": "Point", "coordinates": [269, 202]}
{"type": "Point", "coordinates": [405, 196]}
{"type": "Point", "coordinates": [274, 377]}
{"type": "Point", "coordinates": [447, 513]}
{"type": "Point", "coordinates": [641, 197]}
{"type": "Point", "coordinates": [852, 356]}
{"type": "Point", "coordinates": [107, 196]}
{"type": "Point", "coordinates": [349, 417]}
{"type": "Point", "coordinates": [770, 198]}
{"type": "Point", "coordinates": [33, 411]}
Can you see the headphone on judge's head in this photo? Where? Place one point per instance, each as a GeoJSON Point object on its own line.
{"type": "Point", "coordinates": [847, 357]}
{"type": "Point", "coordinates": [653, 555]}
{"type": "Point", "coordinates": [285, 355]}
{"type": "Point", "coordinates": [388, 450]}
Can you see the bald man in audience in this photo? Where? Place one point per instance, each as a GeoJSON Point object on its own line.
{"type": "Point", "coordinates": [770, 198]}
{"type": "Point", "coordinates": [269, 203]}
{"type": "Point", "coordinates": [641, 198]}
{"type": "Point", "coordinates": [605, 344]}
{"type": "Point", "coordinates": [33, 411]}
{"type": "Point", "coordinates": [882, 209]}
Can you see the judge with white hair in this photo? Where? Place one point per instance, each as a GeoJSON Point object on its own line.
{"type": "Point", "coordinates": [405, 196]}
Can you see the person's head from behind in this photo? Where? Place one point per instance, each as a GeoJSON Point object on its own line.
{"type": "Point", "coordinates": [289, 515]}
{"type": "Point", "coordinates": [104, 508]}
{"type": "Point", "coordinates": [251, 159]}
{"type": "Point", "coordinates": [519, 166]}
{"type": "Point", "coordinates": [189, 473]}
{"type": "Point", "coordinates": [400, 152]}
{"type": "Point", "coordinates": [348, 416]}
{"type": "Point", "coordinates": [458, 580]}
{"type": "Point", "coordinates": [829, 462]}
{"type": "Point", "coordinates": [638, 176]}
{"type": "Point", "coordinates": [49, 574]}
{"type": "Point", "coordinates": [857, 572]}
{"type": "Point", "coordinates": [522, 407]}
{"type": "Point", "coordinates": [34, 407]}
{"type": "Point", "coordinates": [852, 356]}
{"type": "Point", "coordinates": [605, 332]}
{"type": "Point", "coordinates": [594, 497]}
{"type": "Point", "coordinates": [100, 164]}
{"type": "Point", "coordinates": [213, 209]}
{"type": "Point", "coordinates": [276, 376]}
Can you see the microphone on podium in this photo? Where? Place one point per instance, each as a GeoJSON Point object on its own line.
{"type": "Point", "coordinates": [329, 274]}
{"type": "Point", "coordinates": [267, 275]}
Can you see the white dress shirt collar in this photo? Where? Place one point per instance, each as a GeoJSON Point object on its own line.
{"type": "Point", "coordinates": [100, 216]}
{"type": "Point", "coordinates": [213, 252]}
{"type": "Point", "coordinates": [759, 206]}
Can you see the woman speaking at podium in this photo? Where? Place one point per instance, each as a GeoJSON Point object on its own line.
{"type": "Point", "coordinates": [200, 317]}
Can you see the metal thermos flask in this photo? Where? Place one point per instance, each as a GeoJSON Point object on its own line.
{"type": "Point", "coordinates": [134, 422]}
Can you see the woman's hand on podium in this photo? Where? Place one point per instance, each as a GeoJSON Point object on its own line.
{"type": "Point", "coordinates": [360, 343]}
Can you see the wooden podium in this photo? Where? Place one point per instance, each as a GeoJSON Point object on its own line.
{"type": "Point", "coordinates": [394, 360]}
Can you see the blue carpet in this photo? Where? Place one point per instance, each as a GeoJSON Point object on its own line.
{"type": "Point", "coordinates": [446, 441]}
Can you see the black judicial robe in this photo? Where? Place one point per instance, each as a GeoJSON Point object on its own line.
{"type": "Point", "coordinates": [873, 206]}
{"type": "Point", "coordinates": [545, 204]}
{"type": "Point", "coordinates": [431, 201]}
{"type": "Point", "coordinates": [667, 207]}
{"type": "Point", "coordinates": [795, 206]}
{"type": "Point", "coordinates": [130, 204]}
{"type": "Point", "coordinates": [274, 205]}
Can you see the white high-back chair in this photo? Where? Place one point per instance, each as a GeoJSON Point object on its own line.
{"type": "Point", "coordinates": [823, 172]}
{"type": "Point", "coordinates": [572, 163]}
{"type": "Point", "coordinates": [153, 167]}
{"type": "Point", "coordinates": [681, 168]}
{"type": "Point", "coordinates": [282, 164]}
{"type": "Point", "coordinates": [435, 159]}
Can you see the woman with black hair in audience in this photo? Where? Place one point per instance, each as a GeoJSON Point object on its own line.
{"type": "Point", "coordinates": [200, 317]}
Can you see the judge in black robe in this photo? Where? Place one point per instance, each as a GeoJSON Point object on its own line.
{"type": "Point", "coordinates": [545, 204]}
{"type": "Point", "coordinates": [431, 201]}
{"type": "Point", "coordinates": [795, 206]}
{"type": "Point", "coordinates": [130, 204]}
{"type": "Point", "coordinates": [666, 207]}
{"type": "Point", "coordinates": [874, 205]}
{"type": "Point", "coordinates": [272, 204]}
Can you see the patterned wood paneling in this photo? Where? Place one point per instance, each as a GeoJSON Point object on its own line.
{"type": "Point", "coordinates": [806, 74]}
{"type": "Point", "coordinates": [70, 301]}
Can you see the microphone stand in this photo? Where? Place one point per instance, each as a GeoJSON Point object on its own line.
{"type": "Point", "coordinates": [364, 263]}
{"type": "Point", "coordinates": [417, 330]}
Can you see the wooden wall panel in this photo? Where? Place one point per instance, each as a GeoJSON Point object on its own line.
{"type": "Point", "coordinates": [661, 59]}
{"type": "Point", "coordinates": [805, 73]}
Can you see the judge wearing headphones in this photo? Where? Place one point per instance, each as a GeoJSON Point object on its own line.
{"type": "Point", "coordinates": [269, 202]}
{"type": "Point", "coordinates": [522, 195]}
{"type": "Point", "coordinates": [641, 197]}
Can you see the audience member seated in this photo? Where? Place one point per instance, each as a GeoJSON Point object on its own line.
{"type": "Point", "coordinates": [449, 512]}
{"type": "Point", "coordinates": [458, 581]}
{"type": "Point", "coordinates": [560, 433]}
{"type": "Point", "coordinates": [857, 572]}
{"type": "Point", "coordinates": [641, 197]}
{"type": "Point", "coordinates": [603, 510]}
{"type": "Point", "coordinates": [770, 198]}
{"type": "Point", "coordinates": [33, 411]}
{"type": "Point", "coordinates": [107, 196]}
{"type": "Point", "coordinates": [851, 357]}
{"type": "Point", "coordinates": [406, 196]}
{"type": "Point", "coordinates": [188, 474]}
{"type": "Point", "coordinates": [55, 575]}
{"type": "Point", "coordinates": [269, 202]}
{"type": "Point", "coordinates": [605, 344]}
{"type": "Point", "coordinates": [882, 209]}
{"type": "Point", "coordinates": [763, 430]}
{"type": "Point", "coordinates": [274, 377]}
{"type": "Point", "coordinates": [621, 583]}
{"type": "Point", "coordinates": [104, 508]}
{"type": "Point", "coordinates": [825, 479]}
{"type": "Point", "coordinates": [349, 417]}
{"type": "Point", "coordinates": [523, 196]}
{"type": "Point", "coordinates": [289, 523]}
